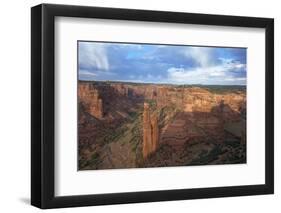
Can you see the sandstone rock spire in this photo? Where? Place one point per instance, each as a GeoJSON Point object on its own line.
{"type": "Point", "coordinates": [150, 132]}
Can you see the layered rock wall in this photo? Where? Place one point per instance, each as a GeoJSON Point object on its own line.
{"type": "Point", "coordinates": [98, 97]}
{"type": "Point", "coordinates": [89, 96]}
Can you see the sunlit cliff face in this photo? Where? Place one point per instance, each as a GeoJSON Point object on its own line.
{"type": "Point", "coordinates": [161, 115]}
{"type": "Point", "coordinates": [92, 102]}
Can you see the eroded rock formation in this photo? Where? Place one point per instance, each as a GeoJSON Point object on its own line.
{"type": "Point", "coordinates": [171, 124]}
{"type": "Point", "coordinates": [89, 96]}
{"type": "Point", "coordinates": [150, 132]}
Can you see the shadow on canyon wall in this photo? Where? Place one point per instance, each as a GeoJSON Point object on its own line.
{"type": "Point", "coordinates": [115, 140]}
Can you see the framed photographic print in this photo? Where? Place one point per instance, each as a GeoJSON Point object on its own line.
{"type": "Point", "coordinates": [140, 106]}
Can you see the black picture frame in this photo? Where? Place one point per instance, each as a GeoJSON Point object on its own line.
{"type": "Point", "coordinates": [43, 102]}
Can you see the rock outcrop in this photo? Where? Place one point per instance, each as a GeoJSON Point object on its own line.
{"type": "Point", "coordinates": [89, 96]}
{"type": "Point", "coordinates": [100, 98]}
{"type": "Point", "coordinates": [150, 132]}
{"type": "Point", "coordinates": [155, 132]}
{"type": "Point", "coordinates": [121, 89]}
{"type": "Point", "coordinates": [158, 124]}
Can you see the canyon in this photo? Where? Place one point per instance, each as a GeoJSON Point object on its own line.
{"type": "Point", "coordinates": [134, 125]}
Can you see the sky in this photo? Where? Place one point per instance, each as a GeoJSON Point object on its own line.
{"type": "Point", "coordinates": [151, 63]}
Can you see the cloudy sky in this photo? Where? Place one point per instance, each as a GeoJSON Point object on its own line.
{"type": "Point", "coordinates": [161, 63]}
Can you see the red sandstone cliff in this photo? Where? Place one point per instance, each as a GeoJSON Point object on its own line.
{"type": "Point", "coordinates": [184, 116]}
{"type": "Point", "coordinates": [90, 99]}
{"type": "Point", "coordinates": [188, 100]}
{"type": "Point", "coordinates": [114, 101]}
{"type": "Point", "coordinates": [154, 133]}
{"type": "Point", "coordinates": [150, 132]}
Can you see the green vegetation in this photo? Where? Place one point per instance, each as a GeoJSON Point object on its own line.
{"type": "Point", "coordinates": [133, 115]}
{"type": "Point", "coordinates": [230, 152]}
{"type": "Point", "coordinates": [135, 146]}
{"type": "Point", "coordinates": [166, 114]}
{"type": "Point", "coordinates": [94, 158]}
{"type": "Point", "coordinates": [152, 104]}
{"type": "Point", "coordinates": [115, 134]}
{"type": "Point", "coordinates": [136, 133]}
{"type": "Point", "coordinates": [218, 89]}
{"type": "Point", "coordinates": [235, 128]}
{"type": "Point", "coordinates": [232, 143]}
{"type": "Point", "coordinates": [206, 157]}
{"type": "Point", "coordinates": [92, 163]}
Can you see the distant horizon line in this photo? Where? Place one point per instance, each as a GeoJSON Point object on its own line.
{"type": "Point", "coordinates": [116, 81]}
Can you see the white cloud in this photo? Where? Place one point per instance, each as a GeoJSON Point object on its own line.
{"type": "Point", "coordinates": [94, 74]}
{"type": "Point", "coordinates": [240, 66]}
{"type": "Point", "coordinates": [208, 70]}
{"type": "Point", "coordinates": [235, 79]}
{"type": "Point", "coordinates": [93, 55]}
{"type": "Point", "coordinates": [86, 75]}
{"type": "Point", "coordinates": [197, 75]}
{"type": "Point", "coordinates": [207, 74]}
{"type": "Point", "coordinates": [85, 72]}
{"type": "Point", "coordinates": [232, 64]}
{"type": "Point", "coordinates": [127, 45]}
{"type": "Point", "coordinates": [202, 55]}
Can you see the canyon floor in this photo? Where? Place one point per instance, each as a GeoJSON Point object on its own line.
{"type": "Point", "coordinates": [131, 125]}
